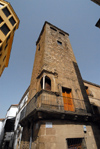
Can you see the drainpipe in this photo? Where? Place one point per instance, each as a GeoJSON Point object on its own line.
{"type": "Point", "coordinates": [31, 136]}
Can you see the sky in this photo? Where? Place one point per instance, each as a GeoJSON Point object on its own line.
{"type": "Point", "coordinates": [76, 17]}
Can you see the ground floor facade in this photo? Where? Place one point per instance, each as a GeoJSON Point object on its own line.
{"type": "Point", "coordinates": [58, 134]}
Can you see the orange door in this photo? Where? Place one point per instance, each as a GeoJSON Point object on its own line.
{"type": "Point", "coordinates": [67, 99]}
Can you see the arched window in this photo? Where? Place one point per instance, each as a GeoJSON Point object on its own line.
{"type": "Point", "coordinates": [45, 83]}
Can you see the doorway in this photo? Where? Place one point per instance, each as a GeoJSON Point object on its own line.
{"type": "Point", "coordinates": [67, 99]}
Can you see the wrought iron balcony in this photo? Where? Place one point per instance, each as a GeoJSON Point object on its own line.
{"type": "Point", "coordinates": [51, 101]}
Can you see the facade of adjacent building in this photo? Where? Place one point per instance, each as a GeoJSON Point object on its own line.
{"type": "Point", "coordinates": [9, 22]}
{"type": "Point", "coordinates": [96, 1]}
{"type": "Point", "coordinates": [18, 129]}
{"type": "Point", "coordinates": [1, 127]}
{"type": "Point", "coordinates": [7, 129]}
{"type": "Point", "coordinates": [98, 24]}
{"type": "Point", "coordinates": [60, 110]}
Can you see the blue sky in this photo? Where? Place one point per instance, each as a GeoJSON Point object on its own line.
{"type": "Point", "coordinates": [77, 17]}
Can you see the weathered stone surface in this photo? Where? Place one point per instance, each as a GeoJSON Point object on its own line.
{"type": "Point", "coordinates": [54, 58]}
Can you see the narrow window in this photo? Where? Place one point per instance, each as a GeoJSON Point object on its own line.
{"type": "Point", "coordinates": [59, 42]}
{"type": "Point", "coordinates": [95, 110]}
{"type": "Point", "coordinates": [6, 11]}
{"type": "Point", "coordinates": [76, 143]}
{"type": "Point", "coordinates": [5, 29]}
{"type": "Point", "coordinates": [0, 40]}
{"type": "Point", "coordinates": [67, 99]}
{"type": "Point", "coordinates": [1, 20]}
{"type": "Point", "coordinates": [12, 21]}
{"type": "Point", "coordinates": [0, 49]}
{"type": "Point", "coordinates": [53, 29]}
{"type": "Point", "coordinates": [0, 54]}
{"type": "Point", "coordinates": [87, 91]}
{"type": "Point", "coordinates": [47, 83]}
{"type": "Point", "coordinates": [39, 48]}
{"type": "Point", "coordinates": [62, 33]}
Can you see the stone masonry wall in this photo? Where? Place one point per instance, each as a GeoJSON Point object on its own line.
{"type": "Point", "coordinates": [58, 58]}
{"type": "Point", "coordinates": [56, 136]}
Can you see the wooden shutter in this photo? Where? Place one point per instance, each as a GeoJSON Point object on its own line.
{"type": "Point", "coordinates": [67, 99]}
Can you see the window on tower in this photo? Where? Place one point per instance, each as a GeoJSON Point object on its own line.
{"type": "Point", "coordinates": [45, 83]}
{"type": "Point", "coordinates": [59, 42]}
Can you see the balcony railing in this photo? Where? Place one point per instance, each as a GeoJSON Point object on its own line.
{"type": "Point", "coordinates": [51, 101]}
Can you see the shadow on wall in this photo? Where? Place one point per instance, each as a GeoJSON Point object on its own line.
{"type": "Point", "coordinates": [82, 87]}
{"type": "Point", "coordinates": [96, 132]}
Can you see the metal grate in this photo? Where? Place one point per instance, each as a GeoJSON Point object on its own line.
{"type": "Point", "coordinates": [74, 143]}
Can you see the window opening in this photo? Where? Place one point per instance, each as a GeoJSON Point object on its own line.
{"type": "Point", "coordinates": [5, 29]}
{"type": "Point", "coordinates": [39, 48]}
{"type": "Point", "coordinates": [0, 49]}
{"type": "Point", "coordinates": [53, 29]}
{"type": "Point", "coordinates": [59, 42]}
{"type": "Point", "coordinates": [67, 99]}
{"type": "Point", "coordinates": [12, 21]}
{"type": "Point", "coordinates": [6, 11]}
{"type": "Point", "coordinates": [0, 54]}
{"type": "Point", "coordinates": [87, 91]}
{"type": "Point", "coordinates": [62, 33]}
{"type": "Point", "coordinates": [0, 40]}
{"type": "Point", "coordinates": [47, 83]}
{"type": "Point", "coordinates": [95, 110]}
{"type": "Point", "coordinates": [1, 5]}
{"type": "Point", "coordinates": [1, 20]}
{"type": "Point", "coordinates": [75, 143]}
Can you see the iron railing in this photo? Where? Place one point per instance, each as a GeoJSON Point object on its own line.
{"type": "Point", "coordinates": [48, 100]}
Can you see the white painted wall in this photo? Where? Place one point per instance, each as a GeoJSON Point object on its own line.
{"type": "Point", "coordinates": [20, 108]}
{"type": "Point", "coordinates": [1, 130]}
{"type": "Point", "coordinates": [1, 125]}
{"type": "Point", "coordinates": [12, 111]}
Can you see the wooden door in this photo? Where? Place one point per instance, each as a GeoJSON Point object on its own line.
{"type": "Point", "coordinates": [67, 99]}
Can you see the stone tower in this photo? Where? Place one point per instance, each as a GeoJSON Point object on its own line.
{"type": "Point", "coordinates": [55, 65]}
{"type": "Point", "coordinates": [58, 106]}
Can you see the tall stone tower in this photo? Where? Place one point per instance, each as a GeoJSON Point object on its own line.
{"type": "Point", "coordinates": [58, 108]}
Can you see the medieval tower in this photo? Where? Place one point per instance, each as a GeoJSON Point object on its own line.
{"type": "Point", "coordinates": [58, 112]}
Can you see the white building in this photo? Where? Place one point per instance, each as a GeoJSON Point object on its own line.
{"type": "Point", "coordinates": [7, 127]}
{"type": "Point", "coordinates": [1, 127]}
{"type": "Point", "coordinates": [18, 129]}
